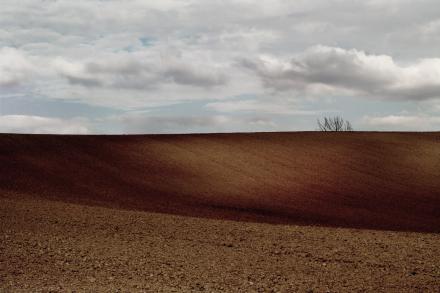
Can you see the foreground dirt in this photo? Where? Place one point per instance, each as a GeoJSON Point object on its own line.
{"type": "Point", "coordinates": [49, 246]}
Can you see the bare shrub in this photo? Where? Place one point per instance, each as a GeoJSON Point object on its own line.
{"type": "Point", "coordinates": [334, 124]}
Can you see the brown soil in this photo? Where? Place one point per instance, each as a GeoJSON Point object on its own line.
{"type": "Point", "coordinates": [93, 213]}
{"type": "Point", "coordinates": [51, 246]}
{"type": "Point", "coordinates": [363, 180]}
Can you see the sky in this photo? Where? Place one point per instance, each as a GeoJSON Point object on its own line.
{"type": "Point", "coordinates": [136, 66]}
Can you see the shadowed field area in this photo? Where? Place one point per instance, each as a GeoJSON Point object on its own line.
{"type": "Point", "coordinates": [362, 180]}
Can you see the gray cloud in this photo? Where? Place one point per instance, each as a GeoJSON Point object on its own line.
{"type": "Point", "coordinates": [322, 69]}
{"type": "Point", "coordinates": [131, 73]}
{"type": "Point", "coordinates": [189, 76]}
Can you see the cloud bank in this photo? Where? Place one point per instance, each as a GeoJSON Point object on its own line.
{"type": "Point", "coordinates": [324, 70]}
{"type": "Point", "coordinates": [287, 62]}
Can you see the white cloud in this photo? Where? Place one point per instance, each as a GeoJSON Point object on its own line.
{"type": "Point", "coordinates": [321, 70]}
{"type": "Point", "coordinates": [15, 67]}
{"type": "Point", "coordinates": [41, 125]}
{"type": "Point", "coordinates": [404, 122]}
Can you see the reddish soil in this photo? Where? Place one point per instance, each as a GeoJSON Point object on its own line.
{"type": "Point", "coordinates": [360, 180]}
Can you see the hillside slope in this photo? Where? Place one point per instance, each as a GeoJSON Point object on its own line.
{"type": "Point", "coordinates": [366, 180]}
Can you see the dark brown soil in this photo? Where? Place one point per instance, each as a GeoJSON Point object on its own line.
{"type": "Point", "coordinates": [361, 180]}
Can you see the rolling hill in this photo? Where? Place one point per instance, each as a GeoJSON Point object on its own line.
{"type": "Point", "coordinates": [385, 181]}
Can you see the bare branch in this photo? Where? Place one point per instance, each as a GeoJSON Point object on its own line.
{"type": "Point", "coordinates": [334, 124]}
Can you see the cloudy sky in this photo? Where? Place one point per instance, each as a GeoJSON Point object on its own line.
{"type": "Point", "coordinates": [176, 66]}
